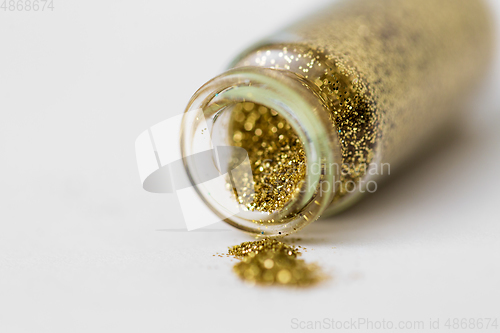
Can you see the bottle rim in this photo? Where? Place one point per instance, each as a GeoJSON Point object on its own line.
{"type": "Point", "coordinates": [297, 100]}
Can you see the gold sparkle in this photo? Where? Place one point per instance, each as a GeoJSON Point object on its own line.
{"type": "Point", "coordinates": [272, 262]}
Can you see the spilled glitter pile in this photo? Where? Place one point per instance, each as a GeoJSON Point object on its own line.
{"type": "Point", "coordinates": [271, 262]}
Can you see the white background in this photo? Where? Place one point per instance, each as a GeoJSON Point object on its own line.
{"type": "Point", "coordinates": [84, 249]}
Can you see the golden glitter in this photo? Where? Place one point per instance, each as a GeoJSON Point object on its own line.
{"type": "Point", "coordinates": [372, 80]}
{"type": "Point", "coordinates": [248, 126]}
{"type": "Point", "coordinates": [390, 73]}
{"type": "Point", "coordinates": [237, 136]}
{"type": "Point", "coordinates": [268, 263]}
{"type": "Point", "coordinates": [276, 154]}
{"type": "Point", "coordinates": [284, 276]}
{"type": "Point", "coordinates": [248, 106]}
{"type": "Point", "coordinates": [272, 262]}
{"type": "Point", "coordinates": [266, 244]}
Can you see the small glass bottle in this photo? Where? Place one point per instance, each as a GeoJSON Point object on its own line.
{"type": "Point", "coordinates": [329, 104]}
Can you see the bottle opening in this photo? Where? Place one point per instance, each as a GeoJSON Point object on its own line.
{"type": "Point", "coordinates": [269, 142]}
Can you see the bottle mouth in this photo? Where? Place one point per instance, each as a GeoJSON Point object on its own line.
{"type": "Point", "coordinates": [239, 118]}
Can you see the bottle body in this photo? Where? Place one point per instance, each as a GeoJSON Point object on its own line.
{"type": "Point", "coordinates": [386, 75]}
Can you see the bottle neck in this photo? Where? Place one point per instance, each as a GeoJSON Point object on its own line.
{"type": "Point", "coordinates": [207, 127]}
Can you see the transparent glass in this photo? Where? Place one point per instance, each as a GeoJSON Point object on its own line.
{"type": "Point", "coordinates": [299, 103]}
{"type": "Point", "coordinates": [363, 84]}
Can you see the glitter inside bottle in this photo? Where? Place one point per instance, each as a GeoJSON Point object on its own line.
{"type": "Point", "coordinates": [322, 107]}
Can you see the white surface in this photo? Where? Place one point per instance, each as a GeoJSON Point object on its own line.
{"type": "Point", "coordinates": [84, 249]}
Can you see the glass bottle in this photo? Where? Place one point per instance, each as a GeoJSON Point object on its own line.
{"type": "Point", "coordinates": [327, 106]}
